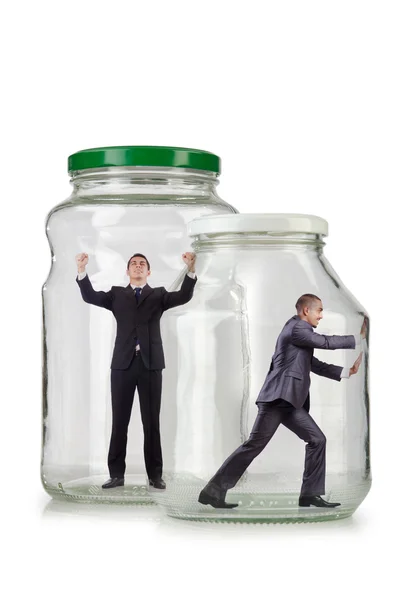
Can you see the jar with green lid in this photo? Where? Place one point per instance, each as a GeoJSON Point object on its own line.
{"type": "Point", "coordinates": [118, 246]}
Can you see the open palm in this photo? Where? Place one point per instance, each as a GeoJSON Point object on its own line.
{"type": "Point", "coordinates": [356, 366]}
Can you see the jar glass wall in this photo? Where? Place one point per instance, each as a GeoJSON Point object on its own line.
{"type": "Point", "coordinates": [117, 208]}
{"type": "Point", "coordinates": [251, 271]}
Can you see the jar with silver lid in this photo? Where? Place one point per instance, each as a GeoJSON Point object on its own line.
{"type": "Point", "coordinates": [273, 403]}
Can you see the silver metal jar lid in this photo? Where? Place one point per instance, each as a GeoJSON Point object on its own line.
{"type": "Point", "coordinates": [258, 222]}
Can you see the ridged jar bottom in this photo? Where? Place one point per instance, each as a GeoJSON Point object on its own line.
{"type": "Point", "coordinates": [89, 490]}
{"type": "Point", "coordinates": [260, 505]}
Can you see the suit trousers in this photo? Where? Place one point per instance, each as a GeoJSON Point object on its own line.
{"type": "Point", "coordinates": [270, 416]}
{"type": "Point", "coordinates": [123, 385]}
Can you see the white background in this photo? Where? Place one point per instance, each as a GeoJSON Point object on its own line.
{"type": "Point", "coordinates": [300, 101]}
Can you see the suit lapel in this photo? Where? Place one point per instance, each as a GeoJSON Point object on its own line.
{"type": "Point", "coordinates": [131, 295]}
{"type": "Point", "coordinates": [146, 291]}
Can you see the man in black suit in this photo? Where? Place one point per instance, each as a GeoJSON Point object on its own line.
{"type": "Point", "coordinates": [138, 357]}
{"type": "Point", "coordinates": [284, 398]}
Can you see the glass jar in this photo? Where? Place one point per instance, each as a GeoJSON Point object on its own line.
{"type": "Point", "coordinates": [125, 200]}
{"type": "Point", "coordinates": [250, 352]}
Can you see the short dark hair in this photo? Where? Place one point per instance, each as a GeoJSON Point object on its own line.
{"type": "Point", "coordinates": [143, 256]}
{"type": "Point", "coordinates": [305, 300]}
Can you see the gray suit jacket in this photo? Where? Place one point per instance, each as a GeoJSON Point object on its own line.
{"type": "Point", "coordinates": [292, 361]}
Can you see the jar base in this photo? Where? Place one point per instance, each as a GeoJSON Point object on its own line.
{"type": "Point", "coordinates": [258, 506]}
{"type": "Point", "coordinates": [89, 490]}
{"type": "Point", "coordinates": [300, 515]}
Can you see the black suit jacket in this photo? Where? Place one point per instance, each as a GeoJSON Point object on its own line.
{"type": "Point", "coordinates": [137, 321]}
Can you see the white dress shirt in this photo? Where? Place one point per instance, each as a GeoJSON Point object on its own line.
{"type": "Point", "coordinates": [83, 274]}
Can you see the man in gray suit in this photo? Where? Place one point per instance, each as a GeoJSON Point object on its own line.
{"type": "Point", "coordinates": [284, 398]}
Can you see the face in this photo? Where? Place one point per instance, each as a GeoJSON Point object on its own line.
{"type": "Point", "coordinates": [314, 312]}
{"type": "Point", "coordinates": [138, 269]}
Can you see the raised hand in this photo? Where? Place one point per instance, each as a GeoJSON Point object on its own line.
{"type": "Point", "coordinates": [355, 367]}
{"type": "Point", "coordinates": [189, 258]}
{"type": "Point", "coordinates": [363, 331]}
{"type": "Point", "coordinates": [81, 261]}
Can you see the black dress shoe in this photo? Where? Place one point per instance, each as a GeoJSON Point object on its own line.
{"type": "Point", "coordinates": [316, 501]}
{"type": "Point", "coordinates": [206, 498]}
{"type": "Point", "coordinates": [157, 483]}
{"type": "Point", "coordinates": [113, 482]}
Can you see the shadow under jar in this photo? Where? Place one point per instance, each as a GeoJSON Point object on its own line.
{"type": "Point", "coordinates": [249, 351]}
{"type": "Point", "coordinates": [125, 200]}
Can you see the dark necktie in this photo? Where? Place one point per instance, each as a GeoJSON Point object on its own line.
{"type": "Point", "coordinates": [137, 291]}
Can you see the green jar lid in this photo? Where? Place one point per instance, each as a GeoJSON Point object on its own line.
{"type": "Point", "coordinates": [144, 156]}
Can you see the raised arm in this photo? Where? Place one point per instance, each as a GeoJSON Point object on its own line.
{"type": "Point", "coordinates": [89, 295]}
{"type": "Point", "coordinates": [305, 337]}
{"type": "Point", "coordinates": [182, 296]}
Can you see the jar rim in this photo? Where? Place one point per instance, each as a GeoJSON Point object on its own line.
{"type": "Point", "coordinates": [258, 223]}
{"type": "Point", "coordinates": [144, 156]}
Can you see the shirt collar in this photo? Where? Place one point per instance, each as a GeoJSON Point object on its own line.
{"type": "Point", "coordinates": [135, 286]}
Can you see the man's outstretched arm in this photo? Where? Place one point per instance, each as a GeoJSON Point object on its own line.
{"type": "Point", "coordinates": [305, 337]}
{"type": "Point", "coordinates": [333, 371]}
{"type": "Point", "coordinates": [326, 370]}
